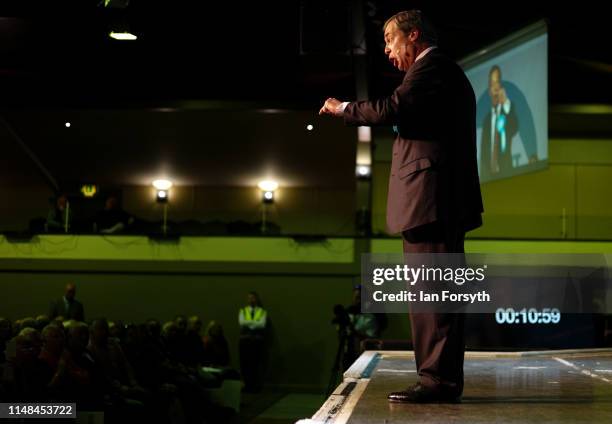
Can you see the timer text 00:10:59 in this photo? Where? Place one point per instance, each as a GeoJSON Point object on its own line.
{"type": "Point", "coordinates": [528, 316]}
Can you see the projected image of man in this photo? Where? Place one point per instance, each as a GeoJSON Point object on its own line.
{"type": "Point", "coordinates": [499, 128]}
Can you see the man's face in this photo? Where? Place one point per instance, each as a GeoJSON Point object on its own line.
{"type": "Point", "coordinates": [28, 348]}
{"type": "Point", "coordinates": [400, 47]}
{"type": "Point", "coordinates": [252, 300]}
{"type": "Point", "coordinates": [111, 203]}
{"type": "Point", "coordinates": [54, 340]}
{"type": "Point", "coordinates": [494, 87]}
{"type": "Point", "coordinates": [100, 333]}
{"type": "Point", "coordinates": [195, 324]}
{"type": "Point", "coordinates": [170, 332]}
{"type": "Point", "coordinates": [61, 202]}
{"type": "Point", "coordinates": [70, 292]}
{"type": "Point", "coordinates": [181, 324]}
{"type": "Point", "coordinates": [79, 337]}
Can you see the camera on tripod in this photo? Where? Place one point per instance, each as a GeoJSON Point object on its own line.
{"type": "Point", "coordinates": [341, 317]}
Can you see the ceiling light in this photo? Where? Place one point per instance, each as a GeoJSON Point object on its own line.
{"type": "Point", "coordinates": [268, 197]}
{"type": "Point", "coordinates": [162, 196]}
{"type": "Point", "coordinates": [268, 185]}
{"type": "Point", "coordinates": [122, 36]}
{"type": "Point", "coordinates": [162, 184]}
{"type": "Point", "coordinates": [363, 171]}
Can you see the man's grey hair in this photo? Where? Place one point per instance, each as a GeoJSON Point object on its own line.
{"type": "Point", "coordinates": [409, 20]}
{"type": "Point", "coordinates": [495, 68]}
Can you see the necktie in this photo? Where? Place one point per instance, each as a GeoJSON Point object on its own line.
{"type": "Point", "coordinates": [496, 147]}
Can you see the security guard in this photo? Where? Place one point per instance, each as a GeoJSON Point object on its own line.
{"type": "Point", "coordinates": [253, 320]}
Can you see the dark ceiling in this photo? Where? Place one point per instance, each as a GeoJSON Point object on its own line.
{"type": "Point", "coordinates": [192, 96]}
{"type": "Point", "coordinates": [59, 54]}
{"type": "Point", "coordinates": [214, 147]}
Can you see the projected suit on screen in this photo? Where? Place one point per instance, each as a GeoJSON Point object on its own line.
{"type": "Point", "coordinates": [499, 127]}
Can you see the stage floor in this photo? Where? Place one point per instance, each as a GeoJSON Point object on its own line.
{"type": "Point", "coordinates": [516, 387]}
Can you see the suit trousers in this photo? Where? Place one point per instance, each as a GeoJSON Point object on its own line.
{"type": "Point", "coordinates": [438, 338]}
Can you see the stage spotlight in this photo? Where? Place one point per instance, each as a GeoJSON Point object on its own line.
{"type": "Point", "coordinates": [162, 184]}
{"type": "Point", "coordinates": [162, 187]}
{"type": "Point", "coordinates": [268, 187]}
{"type": "Point", "coordinates": [67, 124]}
{"type": "Point", "coordinates": [309, 127]}
{"type": "Point", "coordinates": [364, 171]}
{"type": "Point", "coordinates": [162, 196]}
{"type": "Point", "coordinates": [364, 134]}
{"type": "Point", "coordinates": [268, 197]}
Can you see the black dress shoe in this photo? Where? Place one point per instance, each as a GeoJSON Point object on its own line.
{"type": "Point", "coordinates": [422, 394]}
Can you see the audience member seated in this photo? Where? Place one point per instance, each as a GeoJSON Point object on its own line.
{"type": "Point", "coordinates": [181, 345]}
{"type": "Point", "coordinates": [6, 333]}
{"type": "Point", "coordinates": [149, 371]}
{"type": "Point", "coordinates": [113, 219]}
{"type": "Point", "coordinates": [67, 307]}
{"type": "Point", "coordinates": [117, 330]}
{"type": "Point", "coordinates": [27, 322]}
{"type": "Point", "coordinates": [171, 346]}
{"type": "Point", "coordinates": [10, 349]}
{"type": "Point", "coordinates": [194, 346]}
{"type": "Point", "coordinates": [216, 348]}
{"type": "Point", "coordinates": [138, 377]}
{"type": "Point", "coordinates": [42, 321]}
{"type": "Point", "coordinates": [77, 379]}
{"type": "Point", "coordinates": [25, 376]}
{"type": "Point", "coordinates": [117, 371]}
{"type": "Point", "coordinates": [59, 216]}
{"type": "Point", "coordinates": [53, 343]}
{"type": "Point", "coordinates": [191, 382]}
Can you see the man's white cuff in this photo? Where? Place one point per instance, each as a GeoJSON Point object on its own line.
{"type": "Point", "coordinates": [506, 106]}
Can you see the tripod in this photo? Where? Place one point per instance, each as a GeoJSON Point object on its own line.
{"type": "Point", "coordinates": [338, 368]}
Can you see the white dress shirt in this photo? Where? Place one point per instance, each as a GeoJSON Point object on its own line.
{"type": "Point", "coordinates": [495, 112]}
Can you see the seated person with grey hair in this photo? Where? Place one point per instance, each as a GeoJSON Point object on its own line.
{"type": "Point", "coordinates": [25, 377]}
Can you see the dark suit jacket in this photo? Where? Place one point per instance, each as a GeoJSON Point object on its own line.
{"type": "Point", "coordinates": [75, 310]}
{"type": "Point", "coordinates": [434, 171]}
{"type": "Point", "coordinates": [505, 158]}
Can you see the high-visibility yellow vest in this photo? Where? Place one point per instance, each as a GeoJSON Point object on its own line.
{"type": "Point", "coordinates": [259, 312]}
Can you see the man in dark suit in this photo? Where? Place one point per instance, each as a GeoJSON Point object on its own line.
{"type": "Point", "coordinates": [67, 307]}
{"type": "Point", "coordinates": [499, 127]}
{"type": "Point", "coordinates": [434, 191]}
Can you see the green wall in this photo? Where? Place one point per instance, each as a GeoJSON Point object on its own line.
{"type": "Point", "coordinates": [300, 309]}
{"type": "Point", "coordinates": [571, 199]}
{"type": "Point", "coordinates": [133, 279]}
